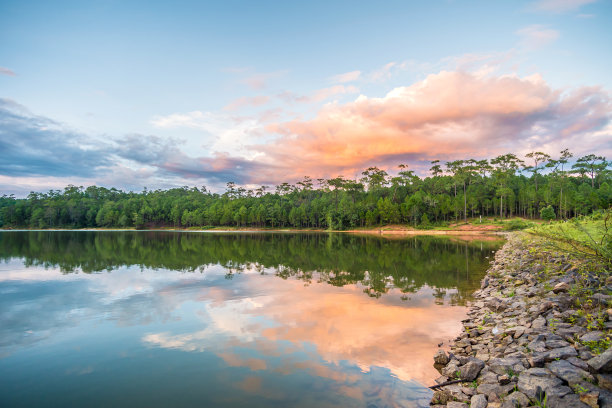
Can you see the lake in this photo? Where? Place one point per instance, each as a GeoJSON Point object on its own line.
{"type": "Point", "coordinates": [158, 319]}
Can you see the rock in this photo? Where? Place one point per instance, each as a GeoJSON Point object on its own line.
{"type": "Point", "coordinates": [502, 366]}
{"type": "Point", "coordinates": [456, 404]}
{"type": "Point", "coordinates": [578, 363]}
{"type": "Point", "coordinates": [568, 372]}
{"type": "Point", "coordinates": [451, 369]}
{"type": "Point", "coordinates": [590, 398]}
{"type": "Point", "coordinates": [478, 401]}
{"type": "Point", "coordinates": [600, 298]}
{"type": "Point", "coordinates": [504, 379]}
{"type": "Point", "coordinates": [568, 401]}
{"type": "Point", "coordinates": [538, 323]}
{"type": "Point", "coordinates": [592, 336]}
{"type": "Point", "coordinates": [516, 399]}
{"type": "Point", "coordinates": [487, 377]}
{"type": "Point", "coordinates": [561, 287]}
{"type": "Point", "coordinates": [440, 397]}
{"type": "Point", "coordinates": [605, 381]}
{"type": "Point", "coordinates": [494, 391]}
{"type": "Point", "coordinates": [609, 312]}
{"type": "Point", "coordinates": [528, 383]}
{"type": "Point", "coordinates": [602, 362]}
{"type": "Point", "coordinates": [441, 358]}
{"type": "Point", "coordinates": [563, 352]}
{"type": "Point", "coordinates": [556, 343]}
{"type": "Point", "coordinates": [471, 369]}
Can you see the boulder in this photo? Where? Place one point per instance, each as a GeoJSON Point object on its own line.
{"type": "Point", "coordinates": [531, 379]}
{"type": "Point", "coordinates": [592, 336]}
{"type": "Point", "coordinates": [602, 362]}
{"type": "Point", "coordinates": [516, 399]}
{"type": "Point", "coordinates": [569, 372]}
{"type": "Point", "coordinates": [471, 369]}
{"type": "Point", "coordinates": [561, 287]}
{"type": "Point", "coordinates": [478, 401]}
{"type": "Point", "coordinates": [441, 358]}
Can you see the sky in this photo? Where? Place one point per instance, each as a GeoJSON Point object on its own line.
{"type": "Point", "coordinates": [131, 94]}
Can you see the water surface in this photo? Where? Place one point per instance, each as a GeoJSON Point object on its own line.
{"type": "Point", "coordinates": [238, 319]}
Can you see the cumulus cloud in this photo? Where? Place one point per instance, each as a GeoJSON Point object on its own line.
{"type": "Point", "coordinates": [446, 115]}
{"type": "Point", "coordinates": [34, 145]}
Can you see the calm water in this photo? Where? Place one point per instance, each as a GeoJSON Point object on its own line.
{"type": "Point", "coordinates": [161, 319]}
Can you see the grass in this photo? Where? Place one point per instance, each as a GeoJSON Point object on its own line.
{"type": "Point", "coordinates": [589, 235]}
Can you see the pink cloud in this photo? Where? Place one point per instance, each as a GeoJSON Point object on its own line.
{"type": "Point", "coordinates": [6, 71]}
{"type": "Point", "coordinates": [346, 77]}
{"type": "Point", "coordinates": [247, 101]}
{"type": "Point", "coordinates": [447, 115]}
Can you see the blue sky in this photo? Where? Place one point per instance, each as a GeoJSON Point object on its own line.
{"type": "Point", "coordinates": [160, 94]}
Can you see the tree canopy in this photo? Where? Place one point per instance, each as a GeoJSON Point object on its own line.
{"type": "Point", "coordinates": [504, 186]}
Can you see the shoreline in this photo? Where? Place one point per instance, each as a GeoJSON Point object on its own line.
{"type": "Point", "coordinates": [379, 231]}
{"type": "Point", "coordinates": [537, 334]}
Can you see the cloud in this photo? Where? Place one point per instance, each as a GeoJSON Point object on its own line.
{"type": "Point", "coordinates": [37, 146]}
{"type": "Point", "coordinates": [536, 36]}
{"type": "Point", "coordinates": [260, 81]}
{"type": "Point", "coordinates": [447, 115]}
{"type": "Point", "coordinates": [387, 71]}
{"type": "Point", "coordinates": [560, 6]}
{"type": "Point", "coordinates": [319, 95]}
{"type": "Point", "coordinates": [246, 102]}
{"type": "Point", "coordinates": [346, 77]}
{"type": "Point", "coordinates": [6, 71]}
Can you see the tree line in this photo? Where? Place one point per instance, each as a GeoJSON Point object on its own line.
{"type": "Point", "coordinates": [336, 259]}
{"type": "Point", "coordinates": [503, 187]}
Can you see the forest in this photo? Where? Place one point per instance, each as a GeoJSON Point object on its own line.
{"type": "Point", "coordinates": [336, 259]}
{"type": "Point", "coordinates": [506, 186]}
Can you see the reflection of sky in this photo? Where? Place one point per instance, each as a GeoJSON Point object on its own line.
{"type": "Point", "coordinates": [259, 330]}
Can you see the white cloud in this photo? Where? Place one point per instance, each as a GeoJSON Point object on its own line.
{"type": "Point", "coordinates": [560, 6]}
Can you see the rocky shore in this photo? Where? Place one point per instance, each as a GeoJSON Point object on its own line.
{"type": "Point", "coordinates": [538, 334]}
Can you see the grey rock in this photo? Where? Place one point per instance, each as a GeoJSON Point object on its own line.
{"type": "Point", "coordinates": [457, 404]}
{"type": "Point", "coordinates": [592, 336]}
{"type": "Point", "coordinates": [494, 391]}
{"type": "Point", "coordinates": [478, 401]}
{"type": "Point", "coordinates": [502, 366]}
{"type": "Point", "coordinates": [561, 287]}
{"type": "Point", "coordinates": [551, 385]}
{"type": "Point", "coordinates": [516, 399]}
{"type": "Point", "coordinates": [578, 363]}
{"type": "Point", "coordinates": [602, 362]}
{"type": "Point", "coordinates": [556, 343]}
{"type": "Point", "coordinates": [538, 323]}
{"type": "Point", "coordinates": [568, 372]}
{"type": "Point", "coordinates": [441, 358]}
{"type": "Point", "coordinates": [471, 369]}
{"type": "Point", "coordinates": [562, 352]}
{"type": "Point", "coordinates": [568, 401]}
{"type": "Point", "coordinates": [487, 377]}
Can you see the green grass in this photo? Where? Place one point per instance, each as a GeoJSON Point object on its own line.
{"type": "Point", "coordinates": [589, 235]}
